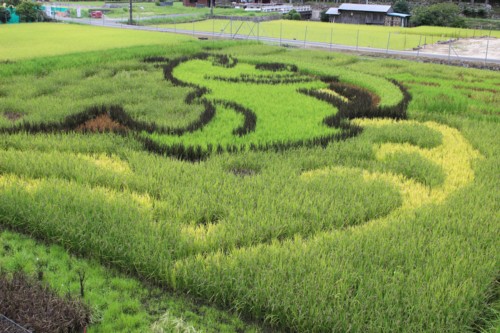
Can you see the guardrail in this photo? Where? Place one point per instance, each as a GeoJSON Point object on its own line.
{"type": "Point", "coordinates": [249, 18]}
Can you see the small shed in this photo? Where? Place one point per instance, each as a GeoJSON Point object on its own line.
{"type": "Point", "coordinates": [397, 20]}
{"type": "Point", "coordinates": [363, 14]}
{"type": "Point", "coordinates": [333, 14]}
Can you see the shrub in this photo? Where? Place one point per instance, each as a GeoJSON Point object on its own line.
{"type": "Point", "coordinates": [323, 17]}
{"type": "Point", "coordinates": [29, 12]}
{"type": "Point", "coordinates": [442, 14]}
{"type": "Point", "coordinates": [476, 11]}
{"type": "Point", "coordinates": [401, 6]}
{"type": "Point", "coordinates": [292, 15]}
{"type": "Point", "coordinates": [4, 15]}
{"type": "Point", "coordinates": [13, 3]}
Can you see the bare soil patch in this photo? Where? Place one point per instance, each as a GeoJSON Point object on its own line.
{"type": "Point", "coordinates": [242, 172]}
{"type": "Point", "coordinates": [33, 306]}
{"type": "Point", "coordinates": [102, 123]}
{"type": "Point", "coordinates": [466, 47]}
{"type": "Point", "coordinates": [423, 83]}
{"type": "Point", "coordinates": [493, 91]}
{"type": "Point", "coordinates": [13, 116]}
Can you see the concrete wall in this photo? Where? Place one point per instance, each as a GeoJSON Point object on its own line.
{"type": "Point", "coordinates": [316, 15]}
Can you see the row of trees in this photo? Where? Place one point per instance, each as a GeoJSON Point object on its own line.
{"type": "Point", "coordinates": [28, 11]}
{"type": "Point", "coordinates": [442, 14]}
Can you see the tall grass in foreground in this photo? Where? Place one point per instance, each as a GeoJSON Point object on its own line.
{"type": "Point", "coordinates": [118, 303]}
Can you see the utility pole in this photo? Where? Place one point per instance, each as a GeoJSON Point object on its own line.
{"type": "Point", "coordinates": [212, 4]}
{"type": "Point", "coordinates": [130, 11]}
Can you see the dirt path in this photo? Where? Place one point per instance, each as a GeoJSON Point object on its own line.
{"type": "Point", "coordinates": [467, 47]}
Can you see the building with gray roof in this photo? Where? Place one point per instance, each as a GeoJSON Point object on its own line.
{"type": "Point", "coordinates": [366, 14]}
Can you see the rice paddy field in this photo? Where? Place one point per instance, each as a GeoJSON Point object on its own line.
{"type": "Point", "coordinates": [393, 38]}
{"type": "Point", "coordinates": [215, 186]}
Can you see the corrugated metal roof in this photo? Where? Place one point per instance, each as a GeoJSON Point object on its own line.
{"type": "Point", "coordinates": [365, 8]}
{"type": "Point", "coordinates": [332, 11]}
{"type": "Point", "coordinates": [398, 14]}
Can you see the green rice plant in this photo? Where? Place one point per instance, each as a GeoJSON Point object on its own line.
{"type": "Point", "coordinates": [413, 166]}
{"type": "Point", "coordinates": [137, 87]}
{"type": "Point", "coordinates": [68, 38]}
{"type": "Point", "coordinates": [414, 134]}
{"type": "Point", "coordinates": [56, 91]}
{"type": "Point", "coordinates": [239, 84]}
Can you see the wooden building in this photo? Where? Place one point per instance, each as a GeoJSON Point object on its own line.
{"type": "Point", "coordinates": [360, 14]}
{"type": "Point", "coordinates": [197, 3]}
{"type": "Point", "coordinates": [397, 20]}
{"type": "Point", "coordinates": [333, 14]}
{"type": "Point", "coordinates": [363, 14]}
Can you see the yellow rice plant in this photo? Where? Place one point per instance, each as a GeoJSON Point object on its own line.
{"type": "Point", "coordinates": [455, 156]}
{"type": "Point", "coordinates": [108, 163]}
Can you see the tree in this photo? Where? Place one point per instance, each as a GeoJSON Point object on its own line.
{"type": "Point", "coordinates": [323, 16]}
{"type": "Point", "coordinates": [441, 14]}
{"type": "Point", "coordinates": [401, 6]}
{"type": "Point", "coordinates": [13, 3]}
{"type": "Point", "coordinates": [29, 11]}
{"type": "Point", "coordinates": [292, 15]}
{"type": "Point", "coordinates": [4, 15]}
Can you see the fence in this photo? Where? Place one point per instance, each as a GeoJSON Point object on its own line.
{"type": "Point", "coordinates": [454, 45]}
{"type": "Point", "coordinates": [462, 46]}
{"type": "Point", "coordinates": [248, 18]}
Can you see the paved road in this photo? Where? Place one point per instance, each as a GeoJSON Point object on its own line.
{"type": "Point", "coordinates": [144, 18]}
{"type": "Point", "coordinates": [284, 42]}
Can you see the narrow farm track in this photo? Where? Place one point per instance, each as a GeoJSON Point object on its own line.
{"type": "Point", "coordinates": [285, 42]}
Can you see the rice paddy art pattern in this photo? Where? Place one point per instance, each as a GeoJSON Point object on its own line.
{"type": "Point", "coordinates": [278, 219]}
{"type": "Point", "coordinates": [268, 106]}
{"type": "Point", "coordinates": [281, 107]}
